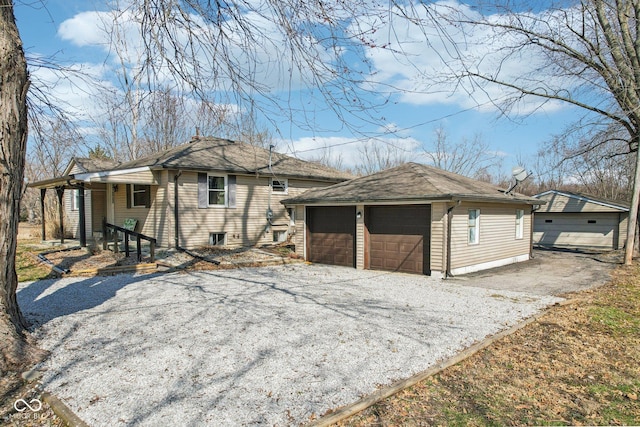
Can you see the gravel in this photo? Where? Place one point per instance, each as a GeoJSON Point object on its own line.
{"type": "Point", "coordinates": [254, 346]}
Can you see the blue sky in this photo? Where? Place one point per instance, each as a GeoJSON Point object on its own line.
{"type": "Point", "coordinates": [48, 31]}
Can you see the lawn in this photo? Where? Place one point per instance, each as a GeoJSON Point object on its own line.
{"type": "Point", "coordinates": [579, 364]}
{"type": "Point", "coordinates": [27, 267]}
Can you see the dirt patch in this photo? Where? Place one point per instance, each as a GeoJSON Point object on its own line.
{"type": "Point", "coordinates": [14, 391]}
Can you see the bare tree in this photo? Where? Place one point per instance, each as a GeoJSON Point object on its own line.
{"type": "Point", "coordinates": [219, 52]}
{"type": "Point", "coordinates": [14, 85]}
{"type": "Point", "coordinates": [581, 53]}
{"type": "Point", "coordinates": [376, 155]}
{"type": "Point", "coordinates": [469, 157]}
{"type": "Point", "coordinates": [593, 159]}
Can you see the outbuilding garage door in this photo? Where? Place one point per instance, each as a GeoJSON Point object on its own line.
{"type": "Point", "coordinates": [588, 229]}
{"type": "Point", "coordinates": [399, 238]}
{"type": "Point", "coordinates": [332, 235]}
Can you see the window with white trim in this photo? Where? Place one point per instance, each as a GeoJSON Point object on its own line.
{"type": "Point", "coordinates": [279, 236]}
{"type": "Point", "coordinates": [217, 186]}
{"type": "Point", "coordinates": [519, 223]}
{"type": "Point", "coordinates": [280, 186]}
{"type": "Point", "coordinates": [473, 234]}
{"type": "Point", "coordinates": [138, 196]}
{"type": "Point", "coordinates": [217, 239]}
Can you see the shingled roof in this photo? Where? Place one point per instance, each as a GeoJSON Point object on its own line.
{"type": "Point", "coordinates": [410, 182]}
{"type": "Point", "coordinates": [207, 154]}
{"type": "Point", "coordinates": [94, 165]}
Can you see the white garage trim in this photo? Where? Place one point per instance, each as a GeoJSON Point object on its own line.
{"type": "Point", "coordinates": [491, 264]}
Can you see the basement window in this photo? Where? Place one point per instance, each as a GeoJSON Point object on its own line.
{"type": "Point", "coordinates": [217, 239]}
{"type": "Point", "coordinates": [279, 236]}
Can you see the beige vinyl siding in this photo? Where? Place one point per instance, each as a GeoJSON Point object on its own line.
{"type": "Point", "coordinates": [296, 233]}
{"type": "Point", "coordinates": [244, 225]}
{"type": "Point", "coordinates": [75, 169]}
{"type": "Point", "coordinates": [438, 236]}
{"type": "Point", "coordinates": [98, 208]}
{"type": "Point", "coordinates": [72, 217]}
{"type": "Point", "coordinates": [622, 240]}
{"type": "Point", "coordinates": [360, 231]}
{"type": "Point", "coordinates": [497, 239]}
{"type": "Point", "coordinates": [561, 203]}
{"type": "Point", "coordinates": [149, 219]}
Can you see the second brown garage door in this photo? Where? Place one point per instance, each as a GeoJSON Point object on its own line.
{"type": "Point", "coordinates": [332, 235]}
{"type": "Point", "coordinates": [399, 238]}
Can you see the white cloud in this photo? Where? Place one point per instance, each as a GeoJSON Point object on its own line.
{"type": "Point", "coordinates": [348, 151]}
{"type": "Point", "coordinates": [85, 29]}
{"type": "Point", "coordinates": [419, 62]}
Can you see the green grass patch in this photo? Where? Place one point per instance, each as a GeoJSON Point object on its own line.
{"type": "Point", "coordinates": [616, 320]}
{"type": "Point", "coordinates": [27, 268]}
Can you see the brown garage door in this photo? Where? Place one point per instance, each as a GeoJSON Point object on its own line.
{"type": "Point", "coordinates": [332, 235]}
{"type": "Point", "coordinates": [399, 238]}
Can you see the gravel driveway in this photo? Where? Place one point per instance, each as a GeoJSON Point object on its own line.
{"type": "Point", "coordinates": [263, 346]}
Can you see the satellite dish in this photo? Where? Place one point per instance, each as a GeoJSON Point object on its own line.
{"type": "Point", "coordinates": [519, 173]}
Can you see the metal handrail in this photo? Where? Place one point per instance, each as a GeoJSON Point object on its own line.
{"type": "Point", "coordinates": [138, 236]}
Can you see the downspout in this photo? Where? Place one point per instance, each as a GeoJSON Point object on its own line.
{"type": "Point", "coordinates": [175, 211]}
{"type": "Point", "coordinates": [534, 208]}
{"type": "Point", "coordinates": [449, 221]}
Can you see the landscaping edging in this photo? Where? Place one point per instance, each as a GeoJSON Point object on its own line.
{"type": "Point", "coordinates": [381, 394]}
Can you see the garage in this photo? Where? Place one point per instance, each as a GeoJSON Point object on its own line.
{"type": "Point", "coordinates": [571, 220]}
{"type": "Point", "coordinates": [587, 230]}
{"type": "Point", "coordinates": [413, 219]}
{"type": "Point", "coordinates": [398, 238]}
{"type": "Point", "coordinates": [331, 235]}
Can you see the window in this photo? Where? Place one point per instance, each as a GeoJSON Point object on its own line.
{"type": "Point", "coordinates": [519, 223]}
{"type": "Point", "coordinates": [75, 200]}
{"type": "Point", "coordinates": [548, 221]}
{"type": "Point", "coordinates": [474, 226]}
{"type": "Point", "coordinates": [591, 221]}
{"type": "Point", "coordinates": [279, 236]}
{"type": "Point", "coordinates": [280, 186]}
{"type": "Point", "coordinates": [217, 239]}
{"type": "Point", "coordinates": [217, 186]}
{"type": "Point", "coordinates": [138, 196]}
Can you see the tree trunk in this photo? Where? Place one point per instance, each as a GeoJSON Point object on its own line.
{"type": "Point", "coordinates": [633, 213]}
{"type": "Point", "coordinates": [14, 83]}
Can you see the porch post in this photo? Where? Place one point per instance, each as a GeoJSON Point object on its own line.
{"type": "Point", "coordinates": [43, 192]}
{"type": "Point", "coordinates": [81, 217]}
{"type": "Point", "coordinates": [60, 193]}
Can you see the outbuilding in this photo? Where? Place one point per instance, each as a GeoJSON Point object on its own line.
{"type": "Point", "coordinates": [415, 219]}
{"type": "Point", "coordinates": [573, 220]}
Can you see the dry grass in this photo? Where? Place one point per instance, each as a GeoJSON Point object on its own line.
{"type": "Point", "coordinates": [578, 365]}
